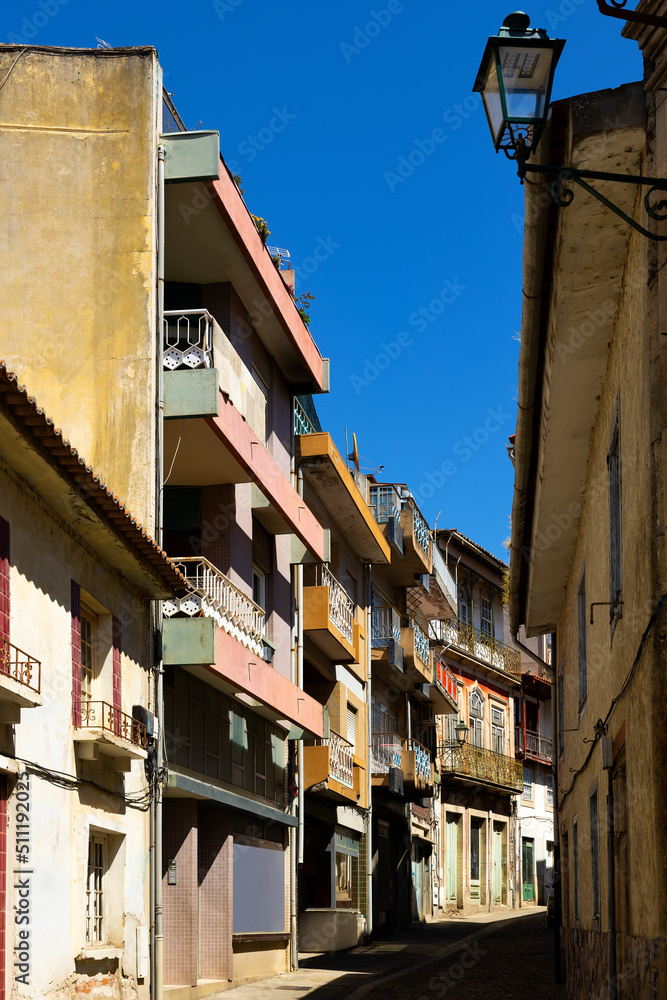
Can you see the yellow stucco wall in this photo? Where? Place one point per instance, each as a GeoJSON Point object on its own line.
{"type": "Point", "coordinates": [78, 130]}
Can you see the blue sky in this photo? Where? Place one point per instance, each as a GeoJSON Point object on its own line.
{"type": "Point", "coordinates": [328, 112]}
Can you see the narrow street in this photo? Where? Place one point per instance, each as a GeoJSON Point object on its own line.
{"type": "Point", "coordinates": [498, 959]}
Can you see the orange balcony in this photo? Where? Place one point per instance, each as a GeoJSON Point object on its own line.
{"type": "Point", "coordinates": [328, 615]}
{"type": "Point", "coordinates": [417, 654]}
{"type": "Point", "coordinates": [329, 767]}
{"type": "Point", "coordinates": [407, 531]}
{"type": "Point", "coordinates": [417, 770]}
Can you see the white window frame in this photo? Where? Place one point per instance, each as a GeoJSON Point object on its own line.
{"type": "Point", "coordinates": [530, 784]}
{"type": "Point", "coordinates": [498, 731]}
{"type": "Point", "coordinates": [486, 623]}
{"type": "Point", "coordinates": [98, 843]}
{"type": "Point", "coordinates": [476, 721]}
{"type": "Point", "coordinates": [259, 586]}
{"type": "Point", "coordinates": [89, 653]}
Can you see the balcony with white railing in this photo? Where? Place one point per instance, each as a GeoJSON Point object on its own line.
{"type": "Point", "coordinates": [464, 637]}
{"type": "Point", "coordinates": [387, 651]}
{"type": "Point", "coordinates": [211, 594]}
{"type": "Point", "coordinates": [302, 422]}
{"type": "Point", "coordinates": [328, 614]}
{"type": "Point", "coordinates": [386, 752]}
{"type": "Point", "coordinates": [385, 504]}
{"type": "Point", "coordinates": [329, 765]}
{"type": "Point", "coordinates": [417, 769]}
{"type": "Point", "coordinates": [417, 651]}
{"type": "Point", "coordinates": [187, 339]}
{"type": "Point", "coordinates": [404, 526]}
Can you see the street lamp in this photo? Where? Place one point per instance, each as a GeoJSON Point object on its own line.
{"type": "Point", "coordinates": [515, 80]}
{"type": "Point", "coordinates": [461, 731]}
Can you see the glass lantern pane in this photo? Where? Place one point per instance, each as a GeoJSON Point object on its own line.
{"type": "Point", "coordinates": [493, 101]}
{"type": "Point", "coordinates": [526, 73]}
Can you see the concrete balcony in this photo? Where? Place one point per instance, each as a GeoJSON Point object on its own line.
{"type": "Point", "coordinates": [387, 762]}
{"type": "Point", "coordinates": [214, 427]}
{"type": "Point", "coordinates": [20, 682]}
{"type": "Point", "coordinates": [486, 650]}
{"type": "Point", "coordinates": [101, 729]}
{"type": "Point", "coordinates": [329, 767]}
{"type": "Point", "coordinates": [404, 526]}
{"type": "Point", "coordinates": [386, 649]}
{"type": "Point", "coordinates": [328, 615]}
{"type": "Point", "coordinates": [443, 689]}
{"type": "Point", "coordinates": [477, 765]}
{"type": "Point", "coordinates": [417, 767]}
{"type": "Point", "coordinates": [417, 654]}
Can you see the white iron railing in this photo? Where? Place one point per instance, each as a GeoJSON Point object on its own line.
{"type": "Point", "coordinates": [188, 339]}
{"type": "Point", "coordinates": [341, 763]}
{"type": "Point", "coordinates": [212, 595]}
{"type": "Point", "coordinates": [422, 759]}
{"type": "Point", "coordinates": [341, 607]}
{"type": "Point", "coordinates": [385, 752]}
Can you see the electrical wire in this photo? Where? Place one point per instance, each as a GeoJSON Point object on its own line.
{"type": "Point", "coordinates": [70, 782]}
{"type": "Point", "coordinates": [624, 687]}
{"type": "Point", "coordinates": [9, 71]}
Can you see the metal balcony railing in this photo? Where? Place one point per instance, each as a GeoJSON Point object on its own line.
{"type": "Point", "coordinates": [535, 745]}
{"type": "Point", "coordinates": [484, 765]}
{"type": "Point", "coordinates": [446, 679]}
{"type": "Point", "coordinates": [422, 648]}
{"type": "Point", "coordinates": [422, 759]}
{"type": "Point", "coordinates": [188, 339]}
{"type": "Point", "coordinates": [385, 625]}
{"type": "Point", "coordinates": [422, 532]}
{"type": "Point", "coordinates": [453, 631]}
{"type": "Point", "coordinates": [20, 666]}
{"type": "Point", "coordinates": [386, 507]}
{"type": "Point", "coordinates": [212, 595]}
{"type": "Point", "coordinates": [101, 715]}
{"type": "Point", "coordinates": [385, 752]}
{"type": "Point", "coordinates": [341, 607]}
{"type": "Point", "coordinates": [341, 762]}
{"type": "Point", "coordinates": [302, 422]}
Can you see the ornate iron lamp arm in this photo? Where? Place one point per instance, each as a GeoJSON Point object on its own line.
{"type": "Point", "coordinates": [564, 196]}
{"type": "Point", "coordinates": [617, 9]}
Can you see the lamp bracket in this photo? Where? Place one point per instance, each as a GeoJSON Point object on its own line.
{"type": "Point", "coordinates": [564, 195]}
{"type": "Point", "coordinates": [617, 9]}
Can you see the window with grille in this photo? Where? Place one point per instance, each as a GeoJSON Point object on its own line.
{"type": "Point", "coordinates": [476, 718]}
{"type": "Point", "coordinates": [497, 730]}
{"type": "Point", "coordinates": [88, 653]}
{"type": "Point", "coordinates": [95, 889]}
{"type": "Point", "coordinates": [528, 784]}
{"type": "Point", "coordinates": [486, 619]}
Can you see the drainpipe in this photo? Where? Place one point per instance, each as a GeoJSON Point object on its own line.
{"type": "Point", "coordinates": [611, 883]}
{"type": "Point", "coordinates": [369, 768]}
{"type": "Point", "coordinates": [551, 673]}
{"type": "Point", "coordinates": [156, 870]}
{"type": "Point", "coordinates": [299, 678]}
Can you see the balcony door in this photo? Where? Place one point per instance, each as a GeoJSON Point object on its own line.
{"type": "Point", "coordinates": [528, 868]}
{"type": "Point", "coordinates": [452, 859]}
{"type": "Point", "coordinates": [477, 859]}
{"type": "Point", "coordinates": [498, 862]}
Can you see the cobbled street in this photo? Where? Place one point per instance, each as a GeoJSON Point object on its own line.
{"type": "Point", "coordinates": [498, 959]}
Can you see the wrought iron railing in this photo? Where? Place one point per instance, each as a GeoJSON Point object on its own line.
{"type": "Point", "coordinates": [341, 607]}
{"type": "Point", "coordinates": [385, 752]}
{"type": "Point", "coordinates": [422, 759]}
{"type": "Point", "coordinates": [101, 715]}
{"type": "Point", "coordinates": [302, 422]}
{"type": "Point", "coordinates": [341, 763]}
{"type": "Point", "coordinates": [453, 631]}
{"type": "Point", "coordinates": [386, 507]}
{"type": "Point", "coordinates": [535, 745]}
{"type": "Point", "coordinates": [422, 532]}
{"type": "Point", "coordinates": [445, 678]}
{"type": "Point", "coordinates": [385, 625]}
{"type": "Point", "coordinates": [20, 666]}
{"type": "Point", "coordinates": [212, 595]}
{"type": "Point", "coordinates": [188, 339]}
{"type": "Point", "coordinates": [484, 765]}
{"type": "Point", "coordinates": [422, 648]}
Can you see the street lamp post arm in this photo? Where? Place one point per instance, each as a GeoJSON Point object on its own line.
{"type": "Point", "coordinates": [563, 195]}
{"type": "Point", "coordinates": [617, 9]}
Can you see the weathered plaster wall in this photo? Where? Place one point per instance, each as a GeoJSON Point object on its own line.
{"type": "Point", "coordinates": [79, 138]}
{"type": "Point", "coordinates": [45, 556]}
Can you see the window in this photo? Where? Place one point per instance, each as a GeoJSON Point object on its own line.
{"type": "Point", "coordinates": [259, 587]}
{"type": "Point", "coordinates": [595, 854]}
{"type": "Point", "coordinates": [384, 720]}
{"type": "Point", "coordinates": [581, 613]}
{"type": "Point", "coordinates": [88, 653]}
{"type": "Point", "coordinates": [575, 866]}
{"type": "Point", "coordinates": [486, 618]}
{"type": "Point", "coordinates": [528, 783]}
{"type": "Point", "coordinates": [464, 606]}
{"type": "Point", "coordinates": [352, 727]}
{"type": "Point", "coordinates": [96, 889]}
{"type": "Point", "coordinates": [262, 429]}
{"type": "Point", "coordinates": [550, 790]}
{"type": "Point", "coordinates": [497, 730]}
{"type": "Point", "coordinates": [476, 716]}
{"type": "Point", "coordinates": [615, 544]}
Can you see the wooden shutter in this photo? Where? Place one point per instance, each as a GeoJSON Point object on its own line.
{"type": "Point", "coordinates": [116, 632]}
{"type": "Point", "coordinates": [76, 652]}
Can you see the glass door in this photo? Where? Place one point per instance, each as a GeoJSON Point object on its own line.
{"type": "Point", "coordinates": [528, 858]}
